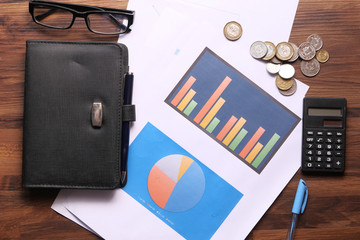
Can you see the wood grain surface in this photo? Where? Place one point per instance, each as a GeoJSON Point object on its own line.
{"type": "Point", "coordinates": [333, 210]}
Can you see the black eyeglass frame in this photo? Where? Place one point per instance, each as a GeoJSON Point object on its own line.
{"type": "Point", "coordinates": [82, 11]}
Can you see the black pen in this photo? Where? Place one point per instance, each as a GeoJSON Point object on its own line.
{"type": "Point", "coordinates": [128, 88]}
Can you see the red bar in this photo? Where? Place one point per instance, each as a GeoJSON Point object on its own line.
{"type": "Point", "coordinates": [252, 142]}
{"type": "Point", "coordinates": [226, 128]}
{"type": "Point", "coordinates": [183, 91]}
{"type": "Point", "coordinates": [212, 99]}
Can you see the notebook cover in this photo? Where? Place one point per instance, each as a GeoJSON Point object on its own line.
{"type": "Point", "coordinates": [61, 148]}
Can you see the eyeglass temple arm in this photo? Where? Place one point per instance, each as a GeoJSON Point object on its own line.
{"type": "Point", "coordinates": [45, 14]}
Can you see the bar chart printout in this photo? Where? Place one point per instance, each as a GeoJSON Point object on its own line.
{"type": "Point", "coordinates": [232, 110]}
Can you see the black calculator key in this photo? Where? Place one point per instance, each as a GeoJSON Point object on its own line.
{"type": "Point", "coordinates": [338, 164]}
{"type": "Point", "coordinates": [320, 133]}
{"type": "Point", "coordinates": [329, 159]}
{"type": "Point", "coordinates": [310, 139]}
{"type": "Point", "coordinates": [329, 134]}
{"type": "Point", "coordinates": [319, 159]}
{"type": "Point", "coordinates": [318, 165]}
{"type": "Point", "coordinates": [310, 133]}
{"type": "Point", "coordinates": [328, 140]}
{"type": "Point", "coordinates": [338, 141]}
{"type": "Point", "coordinates": [309, 145]}
{"type": "Point", "coordinates": [328, 165]}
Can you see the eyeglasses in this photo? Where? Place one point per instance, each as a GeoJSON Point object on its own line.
{"type": "Point", "coordinates": [98, 19]}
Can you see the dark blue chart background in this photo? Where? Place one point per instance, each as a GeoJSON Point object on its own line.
{"type": "Point", "coordinates": [243, 99]}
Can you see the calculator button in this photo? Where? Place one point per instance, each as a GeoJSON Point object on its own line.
{"type": "Point", "coordinates": [319, 146]}
{"type": "Point", "coordinates": [309, 152]}
{"type": "Point", "coordinates": [337, 164]}
{"type": "Point", "coordinates": [319, 153]}
{"type": "Point", "coordinates": [338, 141]}
{"type": "Point", "coordinates": [328, 153]}
{"type": "Point", "coordinates": [309, 146]}
{"type": "Point", "coordinates": [318, 165]}
{"type": "Point", "coordinates": [309, 158]}
{"type": "Point", "coordinates": [328, 140]}
{"type": "Point", "coordinates": [309, 165]}
{"type": "Point", "coordinates": [310, 133]}
{"type": "Point", "coordinates": [328, 165]}
{"type": "Point", "coordinates": [339, 134]}
{"type": "Point", "coordinates": [320, 140]}
{"type": "Point", "coordinates": [338, 154]}
{"type": "Point", "coordinates": [320, 133]}
{"type": "Point", "coordinates": [329, 134]}
{"type": "Point", "coordinates": [310, 139]}
{"type": "Point", "coordinates": [319, 159]}
{"type": "Point", "coordinates": [329, 159]}
{"type": "Point", "coordinates": [338, 147]}
{"type": "Point", "coordinates": [328, 146]}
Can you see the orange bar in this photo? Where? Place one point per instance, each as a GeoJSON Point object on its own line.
{"type": "Point", "coordinates": [252, 142]}
{"type": "Point", "coordinates": [212, 99]}
{"type": "Point", "coordinates": [254, 152]}
{"type": "Point", "coordinates": [183, 91]}
{"type": "Point", "coordinates": [226, 128]}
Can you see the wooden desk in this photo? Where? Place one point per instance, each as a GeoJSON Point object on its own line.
{"type": "Point", "coordinates": [333, 210]}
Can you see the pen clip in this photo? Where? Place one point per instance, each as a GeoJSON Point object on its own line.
{"type": "Point", "coordinates": [300, 198]}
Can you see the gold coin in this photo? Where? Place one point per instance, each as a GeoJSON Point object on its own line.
{"type": "Point", "coordinates": [322, 56]}
{"type": "Point", "coordinates": [271, 50]}
{"type": "Point", "coordinates": [283, 84]}
{"type": "Point", "coordinates": [284, 51]}
{"type": "Point", "coordinates": [233, 30]}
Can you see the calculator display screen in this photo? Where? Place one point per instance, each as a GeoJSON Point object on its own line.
{"type": "Point", "coordinates": [332, 123]}
{"type": "Point", "coordinates": [326, 112]}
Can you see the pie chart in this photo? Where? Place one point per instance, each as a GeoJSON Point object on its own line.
{"type": "Point", "coordinates": [176, 183]}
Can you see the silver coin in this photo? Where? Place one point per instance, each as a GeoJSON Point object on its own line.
{"type": "Point", "coordinates": [316, 41]}
{"type": "Point", "coordinates": [295, 56]}
{"type": "Point", "coordinates": [273, 68]}
{"type": "Point", "coordinates": [287, 71]}
{"type": "Point", "coordinates": [271, 50]}
{"type": "Point", "coordinates": [258, 49]}
{"type": "Point", "coordinates": [306, 51]}
{"type": "Point", "coordinates": [290, 91]}
{"type": "Point", "coordinates": [310, 68]}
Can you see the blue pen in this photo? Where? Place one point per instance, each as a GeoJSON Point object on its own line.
{"type": "Point", "coordinates": [298, 207]}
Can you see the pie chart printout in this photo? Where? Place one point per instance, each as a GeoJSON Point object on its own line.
{"type": "Point", "coordinates": [176, 183]}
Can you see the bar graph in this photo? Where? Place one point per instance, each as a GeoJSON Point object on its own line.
{"type": "Point", "coordinates": [232, 110]}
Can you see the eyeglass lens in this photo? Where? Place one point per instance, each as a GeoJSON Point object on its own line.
{"type": "Point", "coordinates": [106, 22]}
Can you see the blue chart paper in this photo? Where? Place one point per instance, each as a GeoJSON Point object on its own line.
{"type": "Point", "coordinates": [176, 187]}
{"type": "Point", "coordinates": [232, 110]}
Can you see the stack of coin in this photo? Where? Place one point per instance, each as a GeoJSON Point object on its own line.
{"type": "Point", "coordinates": [312, 54]}
{"type": "Point", "coordinates": [281, 56]}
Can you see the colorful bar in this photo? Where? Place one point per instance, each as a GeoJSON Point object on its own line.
{"type": "Point", "coordinates": [252, 142]}
{"type": "Point", "coordinates": [238, 139]}
{"type": "Point", "coordinates": [226, 128]}
{"type": "Point", "coordinates": [211, 114]}
{"type": "Point", "coordinates": [212, 99]}
{"type": "Point", "coordinates": [266, 150]}
{"type": "Point", "coordinates": [190, 107]}
{"type": "Point", "coordinates": [234, 131]}
{"type": "Point", "coordinates": [254, 152]}
{"type": "Point", "coordinates": [212, 125]}
{"type": "Point", "coordinates": [186, 99]}
{"type": "Point", "coordinates": [183, 91]}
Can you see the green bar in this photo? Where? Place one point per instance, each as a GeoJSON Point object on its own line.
{"type": "Point", "coordinates": [212, 125]}
{"type": "Point", "coordinates": [239, 137]}
{"type": "Point", "coordinates": [265, 150]}
{"type": "Point", "coordinates": [190, 107]}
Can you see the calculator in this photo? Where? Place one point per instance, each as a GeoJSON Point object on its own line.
{"type": "Point", "coordinates": [324, 130]}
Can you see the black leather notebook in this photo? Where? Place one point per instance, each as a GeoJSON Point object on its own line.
{"type": "Point", "coordinates": [73, 114]}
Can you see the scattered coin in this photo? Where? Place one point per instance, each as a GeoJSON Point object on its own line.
{"type": "Point", "coordinates": [322, 56]}
{"type": "Point", "coordinates": [310, 68]}
{"type": "Point", "coordinates": [284, 51]}
{"type": "Point", "coordinates": [273, 68]}
{"type": "Point", "coordinates": [306, 51]}
{"type": "Point", "coordinates": [316, 41]}
{"type": "Point", "coordinates": [295, 56]}
{"type": "Point", "coordinates": [290, 91]}
{"type": "Point", "coordinates": [283, 84]}
{"type": "Point", "coordinates": [233, 30]}
{"type": "Point", "coordinates": [258, 49]}
{"type": "Point", "coordinates": [271, 50]}
{"type": "Point", "coordinates": [286, 71]}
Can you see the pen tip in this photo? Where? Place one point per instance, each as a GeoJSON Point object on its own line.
{"type": "Point", "coordinates": [123, 176]}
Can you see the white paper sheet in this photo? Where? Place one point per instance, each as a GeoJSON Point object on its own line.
{"type": "Point", "coordinates": [161, 50]}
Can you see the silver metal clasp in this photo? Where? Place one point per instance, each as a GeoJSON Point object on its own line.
{"type": "Point", "coordinates": [97, 114]}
